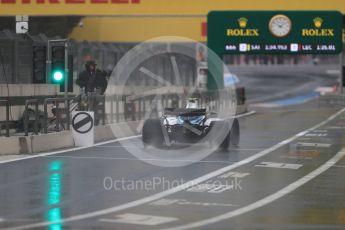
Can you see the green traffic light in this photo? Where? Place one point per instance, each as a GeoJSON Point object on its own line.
{"type": "Point", "coordinates": [58, 76]}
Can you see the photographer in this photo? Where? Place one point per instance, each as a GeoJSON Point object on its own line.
{"type": "Point", "coordinates": [92, 80]}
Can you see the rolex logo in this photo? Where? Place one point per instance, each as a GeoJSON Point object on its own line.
{"type": "Point", "coordinates": [318, 32]}
{"type": "Point", "coordinates": [318, 22]}
{"type": "Point", "coordinates": [242, 32]}
{"type": "Point", "coordinates": [242, 22]}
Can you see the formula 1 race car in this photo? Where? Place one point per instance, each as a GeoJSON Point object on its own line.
{"type": "Point", "coordinates": [189, 125]}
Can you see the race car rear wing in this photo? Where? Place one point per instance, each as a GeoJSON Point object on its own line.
{"type": "Point", "coordinates": [184, 112]}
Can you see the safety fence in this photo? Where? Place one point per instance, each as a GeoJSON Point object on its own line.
{"type": "Point", "coordinates": [18, 53]}
{"type": "Point", "coordinates": [54, 114]}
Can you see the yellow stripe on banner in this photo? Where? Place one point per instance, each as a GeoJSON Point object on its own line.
{"type": "Point", "coordinates": [137, 29]}
{"type": "Point", "coordinates": [156, 7]}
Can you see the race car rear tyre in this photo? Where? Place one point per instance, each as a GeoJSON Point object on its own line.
{"type": "Point", "coordinates": [226, 142]}
{"type": "Point", "coordinates": [152, 133]}
{"type": "Point", "coordinates": [235, 133]}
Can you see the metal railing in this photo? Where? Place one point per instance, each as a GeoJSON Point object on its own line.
{"type": "Point", "coordinates": [95, 103]}
{"type": "Point", "coordinates": [26, 116]}
{"type": "Point", "coordinates": [120, 108]}
{"type": "Point", "coordinates": [58, 113]}
{"type": "Point", "coordinates": [7, 104]}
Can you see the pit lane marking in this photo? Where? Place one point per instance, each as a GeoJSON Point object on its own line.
{"type": "Point", "coordinates": [301, 155]}
{"type": "Point", "coordinates": [233, 174]}
{"type": "Point", "coordinates": [320, 131]}
{"type": "Point", "coordinates": [166, 202]}
{"type": "Point", "coordinates": [139, 219]}
{"type": "Point", "coordinates": [146, 159]}
{"type": "Point", "coordinates": [316, 145]}
{"type": "Point", "coordinates": [211, 188]}
{"type": "Point", "coordinates": [335, 127]}
{"type": "Point", "coordinates": [278, 165]}
{"type": "Point", "coordinates": [245, 114]}
{"type": "Point", "coordinates": [68, 150]}
{"type": "Point", "coordinates": [118, 146]}
{"type": "Point", "coordinates": [206, 177]}
{"type": "Point", "coordinates": [339, 166]}
{"type": "Point", "coordinates": [268, 199]}
{"type": "Point", "coordinates": [136, 147]}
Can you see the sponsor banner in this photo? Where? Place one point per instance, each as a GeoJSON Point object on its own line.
{"type": "Point", "coordinates": [155, 7]}
{"type": "Point", "coordinates": [138, 29]}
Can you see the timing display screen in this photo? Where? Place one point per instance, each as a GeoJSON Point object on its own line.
{"type": "Point", "coordinates": [275, 32]}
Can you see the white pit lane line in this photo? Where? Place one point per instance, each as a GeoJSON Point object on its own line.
{"type": "Point", "coordinates": [142, 159]}
{"type": "Point", "coordinates": [268, 199]}
{"type": "Point", "coordinates": [246, 114]}
{"type": "Point", "coordinates": [206, 177]}
{"type": "Point", "coordinates": [68, 150]}
{"type": "Point", "coordinates": [95, 145]}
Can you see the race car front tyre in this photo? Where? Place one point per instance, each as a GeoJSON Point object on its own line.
{"type": "Point", "coordinates": [152, 133]}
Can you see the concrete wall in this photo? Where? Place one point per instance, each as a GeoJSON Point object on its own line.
{"type": "Point", "coordinates": [47, 142]}
{"type": "Point", "coordinates": [35, 144]}
{"type": "Point", "coordinates": [52, 141]}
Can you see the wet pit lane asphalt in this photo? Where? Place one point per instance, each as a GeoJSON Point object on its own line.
{"type": "Point", "coordinates": [287, 173]}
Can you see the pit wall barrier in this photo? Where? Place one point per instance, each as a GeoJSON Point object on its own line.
{"type": "Point", "coordinates": [42, 91]}
{"type": "Point", "coordinates": [16, 145]}
{"type": "Point", "coordinates": [33, 144]}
